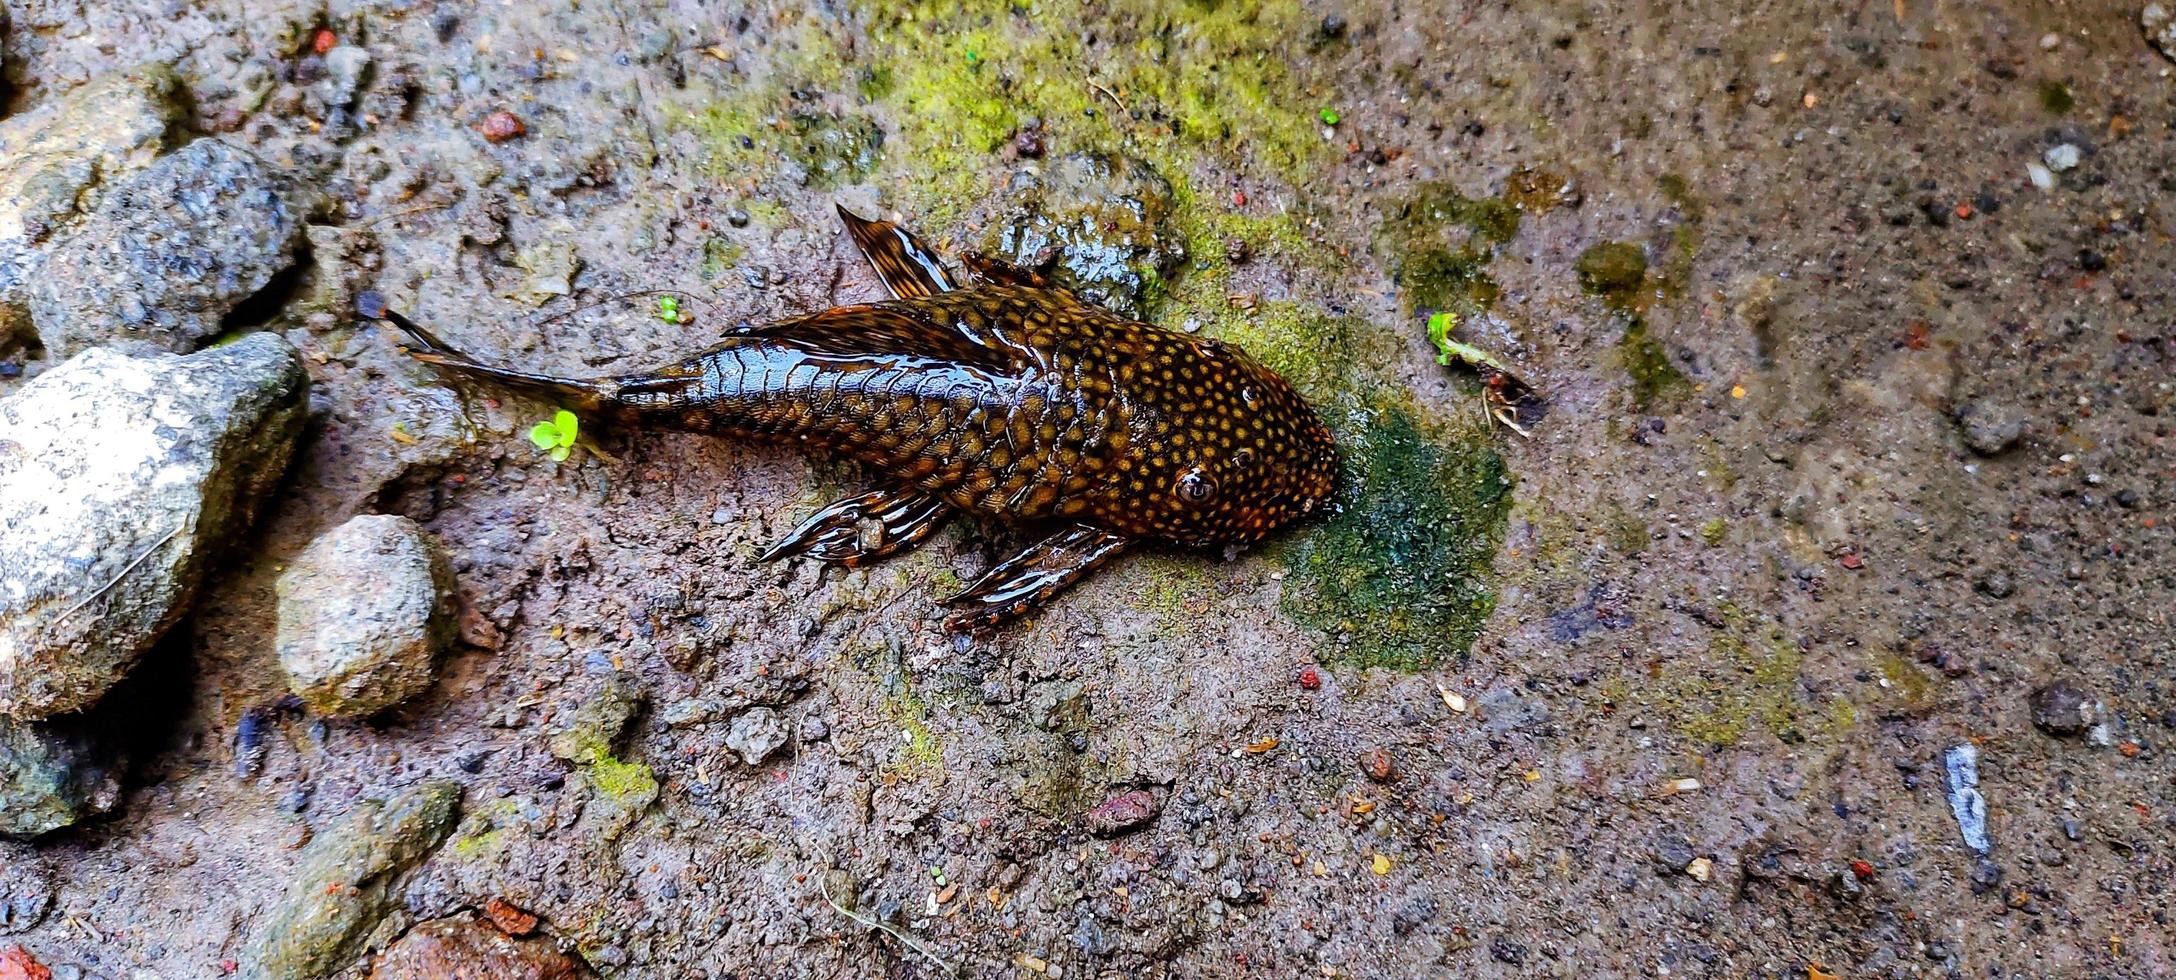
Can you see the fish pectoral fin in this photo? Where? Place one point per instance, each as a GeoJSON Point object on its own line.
{"type": "Point", "coordinates": [1021, 584]}
{"type": "Point", "coordinates": [908, 267]}
{"type": "Point", "coordinates": [864, 527]}
{"type": "Point", "coordinates": [998, 272]}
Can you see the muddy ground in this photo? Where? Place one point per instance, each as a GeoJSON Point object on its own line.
{"type": "Point", "coordinates": [1854, 437]}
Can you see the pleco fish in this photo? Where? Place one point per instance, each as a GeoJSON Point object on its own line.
{"type": "Point", "coordinates": [1007, 396]}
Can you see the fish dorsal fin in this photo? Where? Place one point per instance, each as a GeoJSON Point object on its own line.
{"type": "Point", "coordinates": [908, 267]}
{"type": "Point", "coordinates": [892, 329]}
{"type": "Point", "coordinates": [999, 272]}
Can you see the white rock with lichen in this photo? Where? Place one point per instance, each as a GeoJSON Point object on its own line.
{"type": "Point", "coordinates": [119, 475]}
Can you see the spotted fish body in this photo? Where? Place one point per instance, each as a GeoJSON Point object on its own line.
{"type": "Point", "coordinates": [1008, 397]}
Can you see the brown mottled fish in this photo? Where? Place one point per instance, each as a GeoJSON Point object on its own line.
{"type": "Point", "coordinates": [1007, 396]}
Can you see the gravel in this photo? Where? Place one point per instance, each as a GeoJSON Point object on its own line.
{"type": "Point", "coordinates": [119, 477]}
{"type": "Point", "coordinates": [464, 946]}
{"type": "Point", "coordinates": [2159, 23]}
{"type": "Point", "coordinates": [2060, 708]}
{"type": "Point", "coordinates": [756, 733]}
{"type": "Point", "coordinates": [363, 614]}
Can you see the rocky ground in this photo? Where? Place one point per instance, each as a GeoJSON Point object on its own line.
{"type": "Point", "coordinates": [1821, 628]}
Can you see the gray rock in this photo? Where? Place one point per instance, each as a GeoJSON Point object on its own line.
{"type": "Point", "coordinates": [1990, 427]}
{"type": "Point", "coordinates": [1504, 709]}
{"type": "Point", "coordinates": [1104, 221]}
{"type": "Point", "coordinates": [1673, 852]}
{"type": "Point", "coordinates": [53, 774]}
{"type": "Point", "coordinates": [2061, 709]}
{"type": "Point", "coordinates": [169, 254]}
{"type": "Point", "coordinates": [2159, 23]}
{"type": "Point", "coordinates": [26, 890]}
{"type": "Point", "coordinates": [755, 734]}
{"type": "Point", "coordinates": [345, 67]}
{"type": "Point", "coordinates": [598, 722]}
{"type": "Point", "coordinates": [119, 474]}
{"type": "Point", "coordinates": [59, 159]}
{"type": "Point", "coordinates": [344, 883]}
{"type": "Point", "coordinates": [363, 614]}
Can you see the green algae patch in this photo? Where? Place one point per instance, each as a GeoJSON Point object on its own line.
{"type": "Point", "coordinates": [1402, 572]}
{"type": "Point", "coordinates": [620, 780]}
{"type": "Point", "coordinates": [1614, 271]}
{"type": "Point", "coordinates": [1166, 82]}
{"type": "Point", "coordinates": [2056, 97]}
{"type": "Point", "coordinates": [1315, 351]}
{"type": "Point", "coordinates": [1747, 683]}
{"type": "Point", "coordinates": [923, 753]}
{"type": "Point", "coordinates": [1440, 244]}
{"type": "Point", "coordinates": [1654, 375]}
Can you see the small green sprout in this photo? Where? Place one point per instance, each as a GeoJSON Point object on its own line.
{"type": "Point", "coordinates": [668, 309]}
{"type": "Point", "coordinates": [557, 436]}
{"type": "Point", "coordinates": [1329, 117]}
{"type": "Point", "coordinates": [1501, 389]}
{"type": "Point", "coordinates": [1440, 325]}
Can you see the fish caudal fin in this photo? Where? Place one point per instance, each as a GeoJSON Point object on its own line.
{"type": "Point", "coordinates": [425, 346]}
{"type": "Point", "coordinates": [908, 267]}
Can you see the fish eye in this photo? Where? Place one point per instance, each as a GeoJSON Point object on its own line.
{"type": "Point", "coordinates": [1196, 486]}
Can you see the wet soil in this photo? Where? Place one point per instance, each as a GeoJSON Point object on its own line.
{"type": "Point", "coordinates": [1665, 689]}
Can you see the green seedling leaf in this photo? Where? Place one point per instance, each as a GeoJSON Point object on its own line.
{"type": "Point", "coordinates": [668, 309]}
{"type": "Point", "coordinates": [1329, 117]}
{"type": "Point", "coordinates": [1440, 325]}
{"type": "Point", "coordinates": [557, 436]}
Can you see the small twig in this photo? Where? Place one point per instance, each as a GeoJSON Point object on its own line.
{"type": "Point", "coordinates": [890, 930]}
{"type": "Point", "coordinates": [118, 576]}
{"type": "Point", "coordinates": [1092, 83]}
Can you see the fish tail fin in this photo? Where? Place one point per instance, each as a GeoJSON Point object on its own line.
{"type": "Point", "coordinates": [425, 346]}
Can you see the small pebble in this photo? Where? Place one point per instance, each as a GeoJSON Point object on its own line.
{"type": "Point", "coordinates": [501, 126]}
{"type": "Point", "coordinates": [737, 218]}
{"type": "Point", "coordinates": [2061, 158]}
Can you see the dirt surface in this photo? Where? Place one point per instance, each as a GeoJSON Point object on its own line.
{"type": "Point", "coordinates": [1853, 440]}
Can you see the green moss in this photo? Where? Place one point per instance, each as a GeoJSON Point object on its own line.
{"type": "Point", "coordinates": [1535, 190]}
{"type": "Point", "coordinates": [1714, 532]}
{"type": "Point", "coordinates": [1614, 271]}
{"type": "Point", "coordinates": [1679, 191]}
{"type": "Point", "coordinates": [1654, 375]}
{"type": "Point", "coordinates": [719, 254]}
{"type": "Point", "coordinates": [1168, 83]}
{"type": "Point", "coordinates": [1748, 682]}
{"type": "Point", "coordinates": [1440, 244]}
{"type": "Point", "coordinates": [2055, 96]}
{"type": "Point", "coordinates": [1905, 679]}
{"type": "Point", "coordinates": [832, 148]}
{"type": "Point", "coordinates": [487, 831]}
{"type": "Point", "coordinates": [923, 753]}
{"type": "Point", "coordinates": [1626, 533]}
{"type": "Point", "coordinates": [1402, 569]}
{"type": "Point", "coordinates": [622, 780]}
{"type": "Point", "coordinates": [1309, 348]}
